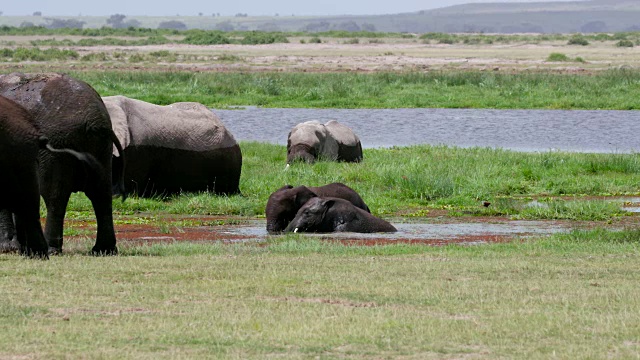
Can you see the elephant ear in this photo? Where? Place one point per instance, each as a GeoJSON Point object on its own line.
{"type": "Point", "coordinates": [119, 122]}
{"type": "Point", "coordinates": [302, 195]}
{"type": "Point", "coordinates": [327, 204]}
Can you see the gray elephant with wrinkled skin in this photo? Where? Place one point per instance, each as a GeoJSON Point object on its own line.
{"type": "Point", "coordinates": [70, 113]}
{"type": "Point", "coordinates": [20, 142]}
{"type": "Point", "coordinates": [333, 141]}
{"type": "Point", "coordinates": [174, 148]}
{"type": "Point", "coordinates": [284, 203]}
{"type": "Point", "coordinates": [326, 215]}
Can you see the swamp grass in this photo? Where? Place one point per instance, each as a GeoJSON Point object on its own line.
{"type": "Point", "coordinates": [617, 89]}
{"type": "Point", "coordinates": [408, 181]}
{"type": "Point", "coordinates": [568, 296]}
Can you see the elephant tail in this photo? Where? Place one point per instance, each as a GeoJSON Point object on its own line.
{"type": "Point", "coordinates": [118, 168]}
{"type": "Point", "coordinates": [86, 158]}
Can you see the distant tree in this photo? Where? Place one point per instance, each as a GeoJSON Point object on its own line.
{"type": "Point", "coordinates": [64, 23]}
{"type": "Point", "coordinates": [200, 14]}
{"type": "Point", "coordinates": [241, 15]}
{"type": "Point", "coordinates": [224, 26]}
{"type": "Point", "coordinates": [1, 13]}
{"type": "Point", "coordinates": [117, 22]}
{"type": "Point", "coordinates": [37, 13]}
{"type": "Point", "coordinates": [172, 24]}
{"type": "Point", "coordinates": [277, 14]}
{"type": "Point", "coordinates": [594, 27]}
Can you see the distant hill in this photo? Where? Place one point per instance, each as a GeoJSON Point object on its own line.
{"type": "Point", "coordinates": [537, 17]}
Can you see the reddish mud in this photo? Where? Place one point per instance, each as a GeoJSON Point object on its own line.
{"type": "Point", "coordinates": [434, 231]}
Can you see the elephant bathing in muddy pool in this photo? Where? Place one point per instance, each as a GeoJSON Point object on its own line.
{"type": "Point", "coordinates": [71, 115]}
{"type": "Point", "coordinates": [174, 148]}
{"type": "Point", "coordinates": [284, 203]}
{"type": "Point", "coordinates": [324, 215]}
{"type": "Point", "coordinates": [311, 140]}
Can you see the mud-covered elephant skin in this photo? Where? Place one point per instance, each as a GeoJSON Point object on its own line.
{"type": "Point", "coordinates": [284, 203]}
{"type": "Point", "coordinates": [311, 140]}
{"type": "Point", "coordinates": [174, 148]}
{"type": "Point", "coordinates": [335, 215]}
{"type": "Point", "coordinates": [20, 142]}
{"type": "Point", "coordinates": [71, 114]}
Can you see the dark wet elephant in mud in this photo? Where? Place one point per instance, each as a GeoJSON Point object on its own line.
{"type": "Point", "coordinates": [284, 203]}
{"type": "Point", "coordinates": [174, 148]}
{"type": "Point", "coordinates": [71, 114]}
{"type": "Point", "coordinates": [20, 142]}
{"type": "Point", "coordinates": [311, 140]}
{"type": "Point", "coordinates": [326, 215]}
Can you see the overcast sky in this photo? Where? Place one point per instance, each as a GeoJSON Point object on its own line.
{"type": "Point", "coordinates": [251, 7]}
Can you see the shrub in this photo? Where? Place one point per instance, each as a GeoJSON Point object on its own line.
{"type": "Point", "coordinates": [624, 43]}
{"type": "Point", "coordinates": [578, 40]}
{"type": "Point", "coordinates": [259, 37]}
{"type": "Point", "coordinates": [315, 40]}
{"type": "Point", "coordinates": [558, 57]}
{"type": "Point", "coordinates": [206, 38]}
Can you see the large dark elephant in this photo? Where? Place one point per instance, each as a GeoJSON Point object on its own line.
{"type": "Point", "coordinates": [311, 140]}
{"type": "Point", "coordinates": [284, 203]}
{"type": "Point", "coordinates": [335, 215]}
{"type": "Point", "coordinates": [71, 115]}
{"type": "Point", "coordinates": [174, 148]}
{"type": "Point", "coordinates": [20, 142]}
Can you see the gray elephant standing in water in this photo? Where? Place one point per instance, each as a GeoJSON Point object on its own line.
{"type": "Point", "coordinates": [333, 141]}
{"type": "Point", "coordinates": [174, 148]}
{"type": "Point", "coordinates": [335, 215]}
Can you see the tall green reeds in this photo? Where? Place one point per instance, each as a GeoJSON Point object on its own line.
{"type": "Point", "coordinates": [614, 89]}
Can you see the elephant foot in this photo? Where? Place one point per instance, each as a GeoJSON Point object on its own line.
{"type": "Point", "coordinates": [9, 246]}
{"type": "Point", "coordinates": [42, 254]}
{"type": "Point", "coordinates": [55, 250]}
{"type": "Point", "coordinates": [96, 251]}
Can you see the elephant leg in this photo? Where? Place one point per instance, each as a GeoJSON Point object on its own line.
{"type": "Point", "coordinates": [56, 209]}
{"type": "Point", "coordinates": [30, 236]}
{"type": "Point", "coordinates": [8, 238]}
{"type": "Point", "coordinates": [101, 199]}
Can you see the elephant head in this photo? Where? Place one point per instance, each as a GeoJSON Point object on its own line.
{"type": "Point", "coordinates": [283, 205]}
{"type": "Point", "coordinates": [335, 215]}
{"type": "Point", "coordinates": [309, 141]}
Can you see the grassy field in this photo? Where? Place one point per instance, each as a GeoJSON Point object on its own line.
{"type": "Point", "coordinates": [408, 181]}
{"type": "Point", "coordinates": [569, 296]}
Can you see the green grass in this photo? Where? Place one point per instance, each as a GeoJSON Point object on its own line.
{"type": "Point", "coordinates": [614, 89]}
{"type": "Point", "coordinates": [406, 180]}
{"type": "Point", "coordinates": [569, 296]}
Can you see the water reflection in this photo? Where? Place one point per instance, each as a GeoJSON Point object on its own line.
{"type": "Point", "coordinates": [523, 130]}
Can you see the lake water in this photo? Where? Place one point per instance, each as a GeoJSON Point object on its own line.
{"type": "Point", "coordinates": [604, 131]}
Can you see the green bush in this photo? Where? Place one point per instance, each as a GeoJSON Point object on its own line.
{"type": "Point", "coordinates": [624, 43]}
{"type": "Point", "coordinates": [315, 40]}
{"type": "Point", "coordinates": [578, 40]}
{"type": "Point", "coordinates": [206, 38]}
{"type": "Point", "coordinates": [558, 57]}
{"type": "Point", "coordinates": [259, 37]}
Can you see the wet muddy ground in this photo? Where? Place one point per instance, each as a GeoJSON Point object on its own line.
{"type": "Point", "coordinates": [436, 229]}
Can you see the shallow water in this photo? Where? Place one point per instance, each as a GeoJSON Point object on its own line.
{"type": "Point", "coordinates": [603, 131]}
{"type": "Point", "coordinates": [468, 232]}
